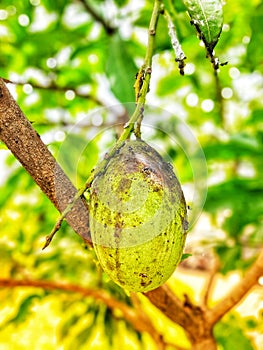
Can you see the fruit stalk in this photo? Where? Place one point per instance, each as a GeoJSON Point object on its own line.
{"type": "Point", "coordinates": [129, 127]}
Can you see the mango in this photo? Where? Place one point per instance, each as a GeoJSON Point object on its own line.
{"type": "Point", "coordinates": [138, 217]}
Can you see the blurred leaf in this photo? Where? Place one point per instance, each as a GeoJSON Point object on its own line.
{"type": "Point", "coordinates": [144, 17]}
{"type": "Point", "coordinates": [168, 84]}
{"type": "Point", "coordinates": [251, 323]}
{"type": "Point", "coordinates": [83, 328]}
{"type": "Point", "coordinates": [121, 3]}
{"type": "Point", "coordinates": [185, 256]}
{"type": "Point", "coordinates": [230, 336]}
{"type": "Point", "coordinates": [65, 45]}
{"type": "Point", "coordinates": [121, 70]}
{"type": "Point", "coordinates": [255, 51]}
{"type": "Point", "coordinates": [74, 317]}
{"type": "Point", "coordinates": [238, 146]}
{"type": "Point", "coordinates": [231, 258]}
{"type": "Point", "coordinates": [207, 16]}
{"type": "Point", "coordinates": [65, 325]}
{"type": "Point", "coordinates": [24, 308]}
{"type": "Point", "coordinates": [244, 199]}
{"type": "Point", "coordinates": [256, 116]}
{"type": "Point", "coordinates": [163, 41]}
{"type": "Point", "coordinates": [110, 325]}
{"type": "Point", "coordinates": [179, 5]}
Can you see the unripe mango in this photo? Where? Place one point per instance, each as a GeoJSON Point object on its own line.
{"type": "Point", "coordinates": [138, 218]}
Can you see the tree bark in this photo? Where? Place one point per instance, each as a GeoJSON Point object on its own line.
{"type": "Point", "coordinates": [26, 145]}
{"type": "Point", "coordinates": [206, 344]}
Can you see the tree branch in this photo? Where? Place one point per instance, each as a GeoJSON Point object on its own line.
{"type": "Point", "coordinates": [55, 87]}
{"type": "Point", "coordinates": [26, 145]}
{"type": "Point", "coordinates": [169, 304]}
{"type": "Point", "coordinates": [139, 323]}
{"type": "Point", "coordinates": [238, 292]}
{"type": "Point", "coordinates": [109, 30]}
{"type": "Point", "coordinates": [189, 316]}
{"type": "Point", "coordinates": [210, 280]}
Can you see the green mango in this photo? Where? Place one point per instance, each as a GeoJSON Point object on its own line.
{"type": "Point", "coordinates": [138, 217]}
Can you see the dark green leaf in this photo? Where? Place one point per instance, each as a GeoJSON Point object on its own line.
{"type": "Point", "coordinates": [242, 197]}
{"type": "Point", "coordinates": [207, 16]}
{"type": "Point", "coordinates": [185, 256]}
{"type": "Point", "coordinates": [121, 3]}
{"type": "Point", "coordinates": [256, 115]}
{"type": "Point", "coordinates": [230, 257]}
{"type": "Point", "coordinates": [23, 311]}
{"type": "Point", "coordinates": [179, 5]}
{"type": "Point", "coordinates": [144, 18]}
{"type": "Point", "coordinates": [239, 146]}
{"type": "Point", "coordinates": [254, 50]}
{"type": "Point", "coordinates": [251, 323]}
{"type": "Point", "coordinates": [64, 328]}
{"type": "Point", "coordinates": [231, 336]}
{"type": "Point", "coordinates": [121, 70]}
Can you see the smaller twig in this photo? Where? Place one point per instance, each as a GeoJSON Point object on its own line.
{"type": "Point", "coordinates": [219, 100]}
{"type": "Point", "coordinates": [109, 29]}
{"type": "Point", "coordinates": [210, 281]}
{"type": "Point", "coordinates": [137, 320]}
{"type": "Point", "coordinates": [53, 232]}
{"type": "Point", "coordinates": [238, 292]}
{"type": "Point", "coordinates": [179, 54]}
{"type": "Point", "coordinates": [55, 87]}
{"type": "Point", "coordinates": [137, 129]}
{"type": "Point", "coordinates": [68, 208]}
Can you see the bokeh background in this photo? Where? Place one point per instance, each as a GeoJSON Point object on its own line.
{"type": "Point", "coordinates": [73, 65]}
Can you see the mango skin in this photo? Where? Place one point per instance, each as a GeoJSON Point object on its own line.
{"type": "Point", "coordinates": [138, 218]}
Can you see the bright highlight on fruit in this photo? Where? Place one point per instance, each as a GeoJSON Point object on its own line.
{"type": "Point", "coordinates": [138, 217]}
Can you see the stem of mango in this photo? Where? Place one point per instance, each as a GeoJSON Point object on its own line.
{"type": "Point", "coordinates": [143, 83]}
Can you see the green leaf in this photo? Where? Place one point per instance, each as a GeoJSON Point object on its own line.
{"type": "Point", "coordinates": [239, 146]}
{"type": "Point", "coordinates": [254, 50]}
{"type": "Point", "coordinates": [244, 199]}
{"type": "Point", "coordinates": [185, 256]}
{"type": "Point", "coordinates": [24, 309]}
{"type": "Point", "coordinates": [121, 3]}
{"type": "Point", "coordinates": [110, 325]}
{"type": "Point", "coordinates": [207, 17]}
{"type": "Point", "coordinates": [179, 5]}
{"type": "Point", "coordinates": [121, 70]}
{"type": "Point", "coordinates": [143, 18]}
{"type": "Point", "coordinates": [231, 336]}
{"type": "Point", "coordinates": [230, 257]}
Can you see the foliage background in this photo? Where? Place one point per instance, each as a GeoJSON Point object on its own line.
{"type": "Point", "coordinates": [72, 68]}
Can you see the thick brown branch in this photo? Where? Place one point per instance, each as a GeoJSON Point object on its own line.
{"type": "Point", "coordinates": [238, 292]}
{"type": "Point", "coordinates": [169, 304]}
{"type": "Point", "coordinates": [26, 145]}
{"type": "Point", "coordinates": [191, 317]}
